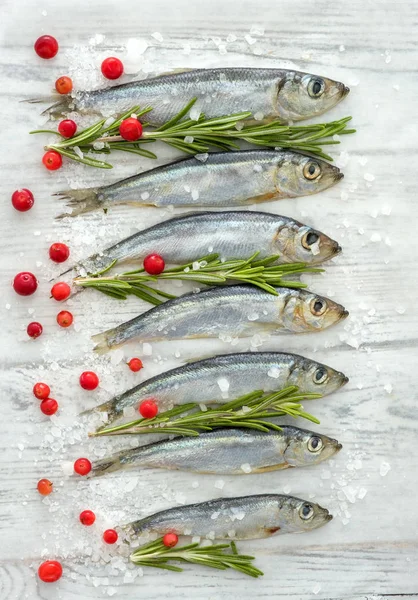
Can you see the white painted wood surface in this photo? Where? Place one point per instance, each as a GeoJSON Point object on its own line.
{"type": "Point", "coordinates": [370, 550]}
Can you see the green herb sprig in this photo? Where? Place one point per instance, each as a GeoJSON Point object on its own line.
{"type": "Point", "coordinates": [247, 411]}
{"type": "Point", "coordinates": [219, 556]}
{"type": "Point", "coordinates": [206, 134]}
{"type": "Point", "coordinates": [209, 270]}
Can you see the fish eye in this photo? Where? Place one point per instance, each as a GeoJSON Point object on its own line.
{"type": "Point", "coordinates": [320, 375]}
{"type": "Point", "coordinates": [316, 87]}
{"type": "Point", "coordinates": [306, 511]}
{"type": "Point", "coordinates": [318, 307]}
{"type": "Point", "coordinates": [315, 444]}
{"type": "Point", "coordinates": [311, 170]}
{"type": "Point", "coordinates": [309, 239]}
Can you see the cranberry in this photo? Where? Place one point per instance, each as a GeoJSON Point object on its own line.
{"type": "Point", "coordinates": [22, 200]}
{"type": "Point", "coordinates": [34, 329]}
{"type": "Point", "coordinates": [59, 252]}
{"type": "Point", "coordinates": [25, 284]}
{"type": "Point", "coordinates": [154, 264]}
{"type": "Point", "coordinates": [50, 571]}
{"type": "Point", "coordinates": [46, 46]}
{"type": "Point", "coordinates": [112, 68]}
{"type": "Point", "coordinates": [130, 129]}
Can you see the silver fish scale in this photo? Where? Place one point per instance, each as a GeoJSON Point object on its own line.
{"type": "Point", "coordinates": [223, 179]}
{"type": "Point", "coordinates": [219, 92]}
{"type": "Point", "coordinates": [248, 517]}
{"type": "Point", "coordinates": [226, 377]}
{"type": "Point", "coordinates": [232, 234]}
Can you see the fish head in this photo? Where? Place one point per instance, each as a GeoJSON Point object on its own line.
{"type": "Point", "coordinates": [305, 516]}
{"type": "Point", "coordinates": [305, 312]}
{"type": "Point", "coordinates": [309, 448]}
{"type": "Point", "coordinates": [314, 377]}
{"type": "Point", "coordinates": [301, 175]}
{"type": "Point", "coordinates": [302, 95]}
{"type": "Point", "coordinates": [301, 243]}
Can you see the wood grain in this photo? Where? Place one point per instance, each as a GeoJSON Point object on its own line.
{"type": "Point", "coordinates": [370, 550]}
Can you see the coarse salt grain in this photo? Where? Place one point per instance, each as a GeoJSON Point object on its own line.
{"type": "Point", "coordinates": [147, 349]}
{"type": "Point", "coordinates": [157, 36]}
{"type": "Point", "coordinates": [384, 468]}
{"type": "Point", "coordinates": [246, 467]}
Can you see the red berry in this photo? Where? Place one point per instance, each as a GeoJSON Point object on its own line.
{"type": "Point", "coordinates": [89, 380]}
{"type": "Point", "coordinates": [52, 160]}
{"type": "Point", "coordinates": [46, 46]}
{"type": "Point", "coordinates": [50, 571]}
{"type": "Point", "coordinates": [110, 536]}
{"type": "Point", "coordinates": [67, 128]}
{"type": "Point", "coordinates": [44, 487]}
{"type": "Point", "coordinates": [25, 284]}
{"type": "Point", "coordinates": [87, 517]}
{"type": "Point", "coordinates": [112, 68]}
{"type": "Point", "coordinates": [49, 406]}
{"type": "Point", "coordinates": [59, 252]}
{"type": "Point", "coordinates": [135, 364]}
{"type": "Point", "coordinates": [154, 264]}
{"type": "Point", "coordinates": [130, 129]}
{"type": "Point", "coordinates": [82, 466]}
{"type": "Point", "coordinates": [170, 540]}
{"type": "Point", "coordinates": [34, 329]}
{"type": "Point", "coordinates": [64, 85]}
{"type": "Point", "coordinates": [148, 409]}
{"type": "Point", "coordinates": [64, 318]}
{"type": "Point", "coordinates": [41, 390]}
{"type": "Point", "coordinates": [22, 200]}
{"type": "Point", "coordinates": [60, 291]}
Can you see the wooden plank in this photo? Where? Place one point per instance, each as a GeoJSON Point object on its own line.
{"type": "Point", "coordinates": [369, 550]}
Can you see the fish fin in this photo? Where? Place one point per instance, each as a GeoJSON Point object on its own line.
{"type": "Point", "coordinates": [279, 467]}
{"type": "Point", "coordinates": [102, 340]}
{"type": "Point", "coordinates": [60, 108]}
{"type": "Point", "coordinates": [176, 71]}
{"type": "Point", "coordinates": [263, 198]}
{"type": "Point", "coordinates": [105, 465]}
{"type": "Point", "coordinates": [105, 407]}
{"type": "Point", "coordinates": [80, 201]}
{"type": "Point", "coordinates": [271, 530]}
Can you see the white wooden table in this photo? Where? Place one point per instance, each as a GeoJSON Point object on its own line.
{"type": "Point", "coordinates": [370, 550]}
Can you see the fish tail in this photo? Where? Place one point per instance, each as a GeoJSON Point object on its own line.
{"type": "Point", "coordinates": [104, 341]}
{"type": "Point", "coordinates": [105, 407]}
{"type": "Point", "coordinates": [58, 109]}
{"type": "Point", "coordinates": [80, 201]}
{"type": "Point", "coordinates": [105, 465]}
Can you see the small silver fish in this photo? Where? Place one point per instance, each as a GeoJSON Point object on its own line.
{"type": "Point", "coordinates": [232, 234]}
{"type": "Point", "coordinates": [204, 381]}
{"type": "Point", "coordinates": [243, 518]}
{"type": "Point", "coordinates": [227, 452]}
{"type": "Point", "coordinates": [238, 311]}
{"type": "Point", "coordinates": [267, 93]}
{"type": "Point", "coordinates": [224, 179]}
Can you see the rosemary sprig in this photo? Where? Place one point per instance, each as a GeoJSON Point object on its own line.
{"type": "Point", "coordinates": [219, 556]}
{"type": "Point", "coordinates": [209, 270]}
{"type": "Point", "coordinates": [247, 411]}
{"type": "Point", "coordinates": [198, 136]}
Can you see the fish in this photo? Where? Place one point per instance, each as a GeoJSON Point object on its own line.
{"type": "Point", "coordinates": [227, 376]}
{"type": "Point", "coordinates": [227, 452]}
{"type": "Point", "coordinates": [242, 518]}
{"type": "Point", "coordinates": [269, 94]}
{"type": "Point", "coordinates": [224, 179]}
{"type": "Point", "coordinates": [236, 310]}
{"type": "Point", "coordinates": [231, 234]}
